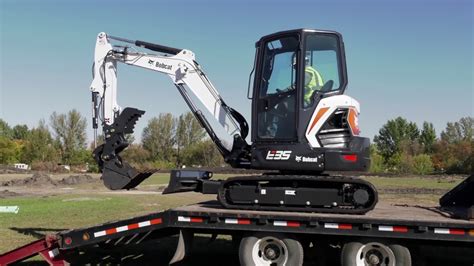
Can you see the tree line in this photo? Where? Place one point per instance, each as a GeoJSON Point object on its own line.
{"type": "Point", "coordinates": [402, 147]}
{"type": "Point", "coordinates": [168, 142]}
{"type": "Point", "coordinates": [61, 141]}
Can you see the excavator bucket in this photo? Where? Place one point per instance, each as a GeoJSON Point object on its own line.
{"type": "Point", "coordinates": [120, 175]}
{"type": "Point", "coordinates": [116, 173]}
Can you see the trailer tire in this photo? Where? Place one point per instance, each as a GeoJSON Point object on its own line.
{"type": "Point", "coordinates": [402, 254]}
{"type": "Point", "coordinates": [270, 249]}
{"type": "Point", "coordinates": [357, 254]}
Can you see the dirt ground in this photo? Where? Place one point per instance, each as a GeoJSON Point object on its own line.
{"type": "Point", "coordinates": [14, 184]}
{"type": "Point", "coordinates": [45, 184]}
{"type": "Point", "coordinates": [42, 184]}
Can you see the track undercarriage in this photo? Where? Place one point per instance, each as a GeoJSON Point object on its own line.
{"type": "Point", "coordinates": [271, 192]}
{"type": "Point", "coordinates": [298, 193]}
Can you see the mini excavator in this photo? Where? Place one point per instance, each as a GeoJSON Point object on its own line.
{"type": "Point", "coordinates": [298, 133]}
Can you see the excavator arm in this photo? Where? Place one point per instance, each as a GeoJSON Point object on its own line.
{"type": "Point", "coordinates": [186, 74]}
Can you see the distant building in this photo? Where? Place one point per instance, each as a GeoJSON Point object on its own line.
{"type": "Point", "coordinates": [22, 166]}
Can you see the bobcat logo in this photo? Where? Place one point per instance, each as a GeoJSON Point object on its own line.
{"type": "Point", "coordinates": [298, 158]}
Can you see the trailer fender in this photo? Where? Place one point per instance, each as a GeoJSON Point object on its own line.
{"type": "Point", "coordinates": [184, 246]}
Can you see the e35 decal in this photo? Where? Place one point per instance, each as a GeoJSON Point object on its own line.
{"type": "Point", "coordinates": [278, 155]}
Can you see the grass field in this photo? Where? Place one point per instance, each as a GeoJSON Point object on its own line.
{"type": "Point", "coordinates": [49, 210]}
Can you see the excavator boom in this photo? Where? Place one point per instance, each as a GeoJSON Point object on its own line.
{"type": "Point", "coordinates": [180, 65]}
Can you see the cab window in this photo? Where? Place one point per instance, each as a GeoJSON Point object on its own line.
{"type": "Point", "coordinates": [321, 66]}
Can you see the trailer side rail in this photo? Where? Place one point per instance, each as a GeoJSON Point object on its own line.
{"type": "Point", "coordinates": [46, 247]}
{"type": "Point", "coordinates": [238, 221]}
{"type": "Point", "coordinates": [210, 218]}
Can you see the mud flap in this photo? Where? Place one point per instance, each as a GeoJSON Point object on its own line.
{"type": "Point", "coordinates": [116, 173]}
{"type": "Point", "coordinates": [184, 246]}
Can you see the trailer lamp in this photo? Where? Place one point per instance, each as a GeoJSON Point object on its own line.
{"type": "Point", "coordinates": [68, 241]}
{"type": "Point", "coordinates": [85, 236]}
{"type": "Point", "coordinates": [471, 232]}
{"type": "Point", "coordinates": [350, 157]}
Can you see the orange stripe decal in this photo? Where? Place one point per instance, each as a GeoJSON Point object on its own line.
{"type": "Point", "coordinates": [156, 221]}
{"type": "Point", "coordinates": [132, 226]}
{"type": "Point", "coordinates": [243, 221]}
{"type": "Point", "coordinates": [456, 231]}
{"type": "Point", "coordinates": [345, 226]}
{"type": "Point", "coordinates": [320, 113]}
{"type": "Point", "coordinates": [353, 123]}
{"type": "Point", "coordinates": [110, 231]}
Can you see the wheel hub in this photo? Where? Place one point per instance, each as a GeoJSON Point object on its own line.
{"type": "Point", "coordinates": [373, 257]}
{"type": "Point", "coordinates": [270, 251]}
{"type": "Point", "coordinates": [375, 254]}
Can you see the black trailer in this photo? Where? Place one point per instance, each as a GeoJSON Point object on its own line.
{"type": "Point", "coordinates": [386, 234]}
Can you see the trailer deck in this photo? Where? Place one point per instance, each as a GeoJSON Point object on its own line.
{"type": "Point", "coordinates": [416, 223]}
{"type": "Point", "coordinates": [388, 220]}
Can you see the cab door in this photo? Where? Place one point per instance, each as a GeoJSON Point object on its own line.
{"type": "Point", "coordinates": [275, 94]}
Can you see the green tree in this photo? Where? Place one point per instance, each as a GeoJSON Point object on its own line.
{"type": "Point", "coordinates": [428, 137]}
{"type": "Point", "coordinates": [203, 153]}
{"type": "Point", "coordinates": [456, 158]}
{"type": "Point", "coordinates": [458, 131]}
{"type": "Point", "coordinates": [422, 164]}
{"type": "Point", "coordinates": [188, 131]}
{"type": "Point", "coordinates": [20, 132]}
{"type": "Point", "coordinates": [158, 137]}
{"type": "Point", "coordinates": [394, 136]}
{"type": "Point", "coordinates": [5, 129]}
{"type": "Point", "coordinates": [8, 151]}
{"type": "Point", "coordinates": [39, 145]}
{"type": "Point", "coordinates": [376, 161]}
{"type": "Point", "coordinates": [136, 154]}
{"type": "Point", "coordinates": [70, 133]}
{"type": "Point", "coordinates": [453, 153]}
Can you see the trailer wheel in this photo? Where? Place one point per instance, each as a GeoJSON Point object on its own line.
{"type": "Point", "coordinates": [374, 253]}
{"type": "Point", "coordinates": [270, 249]}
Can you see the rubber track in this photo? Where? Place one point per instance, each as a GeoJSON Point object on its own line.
{"type": "Point", "coordinates": [333, 179]}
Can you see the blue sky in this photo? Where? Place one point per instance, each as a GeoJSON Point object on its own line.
{"type": "Point", "coordinates": [405, 58]}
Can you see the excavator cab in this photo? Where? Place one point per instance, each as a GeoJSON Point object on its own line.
{"type": "Point", "coordinates": [301, 121]}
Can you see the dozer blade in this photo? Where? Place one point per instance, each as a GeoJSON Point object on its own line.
{"type": "Point", "coordinates": [189, 180]}
{"type": "Point", "coordinates": [116, 173]}
{"type": "Point", "coordinates": [460, 200]}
